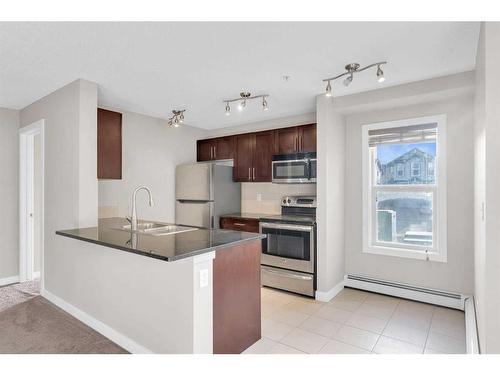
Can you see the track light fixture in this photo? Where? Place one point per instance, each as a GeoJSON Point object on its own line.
{"type": "Point", "coordinates": [242, 101]}
{"type": "Point", "coordinates": [328, 90]}
{"type": "Point", "coordinates": [264, 104]}
{"type": "Point", "coordinates": [177, 118]}
{"type": "Point", "coordinates": [380, 74]}
{"type": "Point", "coordinates": [351, 69]}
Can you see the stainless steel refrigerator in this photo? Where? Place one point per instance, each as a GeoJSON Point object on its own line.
{"type": "Point", "coordinates": [203, 192]}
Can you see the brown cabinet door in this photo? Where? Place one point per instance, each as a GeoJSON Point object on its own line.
{"type": "Point", "coordinates": [243, 151]}
{"type": "Point", "coordinates": [287, 140]}
{"type": "Point", "coordinates": [240, 224]}
{"type": "Point", "coordinates": [109, 144]}
{"type": "Point", "coordinates": [224, 148]}
{"type": "Point", "coordinates": [307, 138]}
{"type": "Point", "coordinates": [263, 156]}
{"type": "Point", "coordinates": [205, 150]}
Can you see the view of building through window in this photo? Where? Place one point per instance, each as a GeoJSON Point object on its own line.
{"type": "Point", "coordinates": [405, 215]}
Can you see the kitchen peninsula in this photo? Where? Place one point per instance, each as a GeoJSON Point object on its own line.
{"type": "Point", "coordinates": [191, 291]}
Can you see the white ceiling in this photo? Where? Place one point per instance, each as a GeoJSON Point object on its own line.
{"type": "Point", "coordinates": [152, 68]}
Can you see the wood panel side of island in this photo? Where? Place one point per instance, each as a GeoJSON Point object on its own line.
{"type": "Point", "coordinates": [236, 297]}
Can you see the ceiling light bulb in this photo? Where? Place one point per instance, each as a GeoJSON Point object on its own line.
{"type": "Point", "coordinates": [348, 80]}
{"type": "Point", "coordinates": [228, 109]}
{"type": "Point", "coordinates": [328, 90]}
{"type": "Point", "coordinates": [242, 104]}
{"type": "Point", "coordinates": [264, 104]}
{"type": "Point", "coordinates": [181, 118]}
{"type": "Point", "coordinates": [380, 75]}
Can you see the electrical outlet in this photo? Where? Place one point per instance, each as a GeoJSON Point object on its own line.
{"type": "Point", "coordinates": [203, 278]}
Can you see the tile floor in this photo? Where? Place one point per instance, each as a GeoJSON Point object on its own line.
{"type": "Point", "coordinates": [356, 322]}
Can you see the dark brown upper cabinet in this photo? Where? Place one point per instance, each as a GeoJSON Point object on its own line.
{"type": "Point", "coordinates": [307, 138]}
{"type": "Point", "coordinates": [109, 144]}
{"type": "Point", "coordinates": [215, 149]}
{"type": "Point", "coordinates": [243, 163]}
{"type": "Point", "coordinates": [287, 140]}
{"type": "Point", "coordinates": [295, 139]}
{"type": "Point", "coordinates": [263, 156]}
{"type": "Point", "coordinates": [253, 156]}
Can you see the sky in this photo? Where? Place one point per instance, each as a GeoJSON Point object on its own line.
{"type": "Point", "coordinates": [387, 153]}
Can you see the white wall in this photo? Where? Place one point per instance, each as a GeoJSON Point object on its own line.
{"type": "Point", "coordinates": [330, 188]}
{"type": "Point", "coordinates": [340, 187]}
{"type": "Point", "coordinates": [70, 115]}
{"type": "Point", "coordinates": [9, 193]}
{"type": "Point", "coordinates": [487, 187]}
{"type": "Point", "coordinates": [150, 152]}
{"type": "Point", "coordinates": [456, 275]}
{"type": "Point", "coordinates": [265, 197]}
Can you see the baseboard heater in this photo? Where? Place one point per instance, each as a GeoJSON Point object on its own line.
{"type": "Point", "coordinates": [433, 296]}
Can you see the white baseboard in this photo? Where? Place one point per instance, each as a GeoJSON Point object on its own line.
{"type": "Point", "coordinates": [328, 295]}
{"type": "Point", "coordinates": [471, 334]}
{"type": "Point", "coordinates": [105, 330]}
{"type": "Point", "coordinates": [408, 292]}
{"type": "Point", "coordinates": [9, 280]}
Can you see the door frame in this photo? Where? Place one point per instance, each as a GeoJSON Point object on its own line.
{"type": "Point", "coordinates": [26, 200]}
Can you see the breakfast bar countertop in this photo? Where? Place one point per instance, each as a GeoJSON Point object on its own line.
{"type": "Point", "coordinates": [167, 247]}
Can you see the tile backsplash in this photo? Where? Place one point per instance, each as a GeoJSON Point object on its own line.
{"type": "Point", "coordinates": [265, 197]}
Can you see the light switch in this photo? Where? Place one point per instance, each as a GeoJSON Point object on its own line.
{"type": "Point", "coordinates": [203, 278]}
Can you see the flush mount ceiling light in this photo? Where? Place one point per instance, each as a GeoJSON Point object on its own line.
{"type": "Point", "coordinates": [352, 69]}
{"type": "Point", "coordinates": [177, 118]}
{"type": "Point", "coordinates": [242, 101]}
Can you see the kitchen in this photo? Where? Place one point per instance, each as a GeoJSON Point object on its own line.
{"type": "Point", "coordinates": [236, 222]}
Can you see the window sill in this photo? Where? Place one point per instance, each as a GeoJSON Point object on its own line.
{"type": "Point", "coordinates": [405, 253]}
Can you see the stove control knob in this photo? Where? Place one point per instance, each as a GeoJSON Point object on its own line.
{"type": "Point", "coordinates": [284, 201]}
{"type": "Point", "coordinates": [289, 201]}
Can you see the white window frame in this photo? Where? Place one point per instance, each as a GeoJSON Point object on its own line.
{"type": "Point", "coordinates": [438, 252]}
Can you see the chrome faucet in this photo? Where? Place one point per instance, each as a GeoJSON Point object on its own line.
{"type": "Point", "coordinates": [133, 219]}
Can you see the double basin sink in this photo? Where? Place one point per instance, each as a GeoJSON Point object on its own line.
{"type": "Point", "coordinates": [157, 229]}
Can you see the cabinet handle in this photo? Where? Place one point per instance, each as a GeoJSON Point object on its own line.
{"type": "Point", "coordinates": [296, 144]}
{"type": "Point", "coordinates": [254, 173]}
{"type": "Point", "coordinates": [249, 174]}
{"type": "Point", "coordinates": [211, 152]}
{"type": "Point", "coordinates": [239, 224]}
{"type": "Point", "coordinates": [215, 152]}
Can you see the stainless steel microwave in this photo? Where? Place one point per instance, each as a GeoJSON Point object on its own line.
{"type": "Point", "coordinates": [294, 168]}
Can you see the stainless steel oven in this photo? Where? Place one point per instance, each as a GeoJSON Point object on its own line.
{"type": "Point", "coordinates": [288, 246]}
{"type": "Point", "coordinates": [294, 168]}
{"type": "Point", "coordinates": [289, 249]}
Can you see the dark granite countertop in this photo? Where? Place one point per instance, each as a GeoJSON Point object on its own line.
{"type": "Point", "coordinates": [168, 247]}
{"type": "Point", "coordinates": [243, 215]}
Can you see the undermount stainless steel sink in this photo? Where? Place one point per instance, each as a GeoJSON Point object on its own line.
{"type": "Point", "coordinates": [157, 229]}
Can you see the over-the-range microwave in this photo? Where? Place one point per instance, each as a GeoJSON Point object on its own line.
{"type": "Point", "coordinates": [294, 168]}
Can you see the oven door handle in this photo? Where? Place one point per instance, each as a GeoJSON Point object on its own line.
{"type": "Point", "coordinates": [300, 228]}
{"type": "Point", "coordinates": [287, 274]}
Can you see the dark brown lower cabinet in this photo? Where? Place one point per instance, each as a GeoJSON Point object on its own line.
{"type": "Point", "coordinates": [236, 297]}
{"type": "Point", "coordinates": [240, 224]}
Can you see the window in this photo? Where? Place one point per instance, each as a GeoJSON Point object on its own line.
{"type": "Point", "coordinates": [404, 202]}
{"type": "Point", "coordinates": [415, 169]}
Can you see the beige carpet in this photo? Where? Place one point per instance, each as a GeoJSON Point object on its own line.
{"type": "Point", "coordinates": [38, 326]}
{"type": "Point", "coordinates": [15, 294]}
